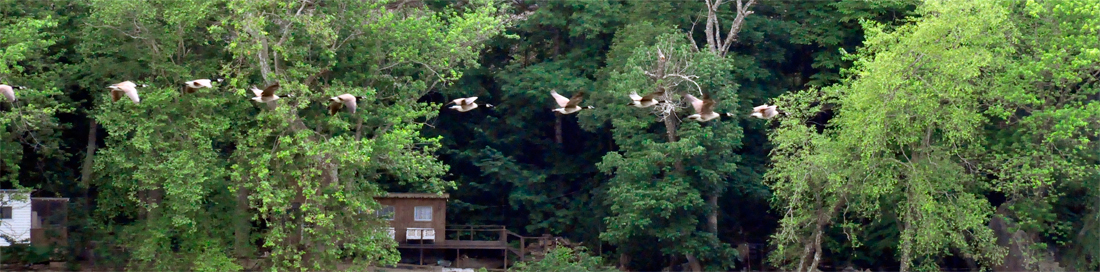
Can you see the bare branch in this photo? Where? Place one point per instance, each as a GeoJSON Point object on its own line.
{"type": "Point", "coordinates": [735, 27]}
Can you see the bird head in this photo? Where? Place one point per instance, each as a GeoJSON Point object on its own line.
{"type": "Point", "coordinates": [19, 87]}
{"type": "Point", "coordinates": [590, 107]}
{"type": "Point", "coordinates": [489, 105]}
{"type": "Point", "coordinates": [143, 85]}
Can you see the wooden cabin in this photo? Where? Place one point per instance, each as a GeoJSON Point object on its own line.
{"type": "Point", "coordinates": [418, 223]}
{"type": "Point", "coordinates": [414, 217]}
{"type": "Point", "coordinates": [40, 221]}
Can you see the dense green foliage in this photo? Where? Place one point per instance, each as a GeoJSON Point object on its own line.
{"type": "Point", "coordinates": [915, 135]}
{"type": "Point", "coordinates": [564, 259]}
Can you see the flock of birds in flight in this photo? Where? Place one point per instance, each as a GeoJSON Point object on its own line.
{"type": "Point", "coordinates": [704, 108]}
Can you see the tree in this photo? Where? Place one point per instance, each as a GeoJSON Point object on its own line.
{"type": "Point", "coordinates": [564, 259]}
{"type": "Point", "coordinates": [306, 177]}
{"type": "Point", "coordinates": [659, 178]}
{"type": "Point", "coordinates": [916, 122]}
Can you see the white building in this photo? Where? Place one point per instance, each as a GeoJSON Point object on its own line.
{"type": "Point", "coordinates": [15, 216]}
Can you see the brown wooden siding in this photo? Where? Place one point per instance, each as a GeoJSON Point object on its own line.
{"type": "Point", "coordinates": [404, 216]}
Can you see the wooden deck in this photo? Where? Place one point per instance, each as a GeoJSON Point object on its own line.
{"type": "Point", "coordinates": [459, 244]}
{"type": "Point", "coordinates": [490, 237]}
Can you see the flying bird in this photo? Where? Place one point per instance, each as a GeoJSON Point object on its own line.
{"type": "Point", "coordinates": [764, 111]}
{"type": "Point", "coordinates": [127, 88]}
{"type": "Point", "coordinates": [195, 85]}
{"type": "Point", "coordinates": [568, 106]}
{"type": "Point", "coordinates": [704, 108]}
{"type": "Point", "coordinates": [466, 104]}
{"type": "Point", "coordinates": [8, 91]}
{"type": "Point", "coordinates": [342, 101]}
{"type": "Point", "coordinates": [645, 101]}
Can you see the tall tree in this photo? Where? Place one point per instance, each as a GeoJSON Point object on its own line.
{"type": "Point", "coordinates": [918, 125]}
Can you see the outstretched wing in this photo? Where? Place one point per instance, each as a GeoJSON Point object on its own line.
{"type": "Point", "coordinates": [561, 100]}
{"type": "Point", "coordinates": [258, 92]}
{"type": "Point", "coordinates": [334, 107]}
{"type": "Point", "coordinates": [695, 103]}
{"type": "Point", "coordinates": [270, 90]}
{"type": "Point", "coordinates": [708, 106]}
{"type": "Point", "coordinates": [470, 100]}
{"type": "Point", "coordinates": [575, 100]}
{"type": "Point", "coordinates": [634, 96]}
{"type": "Point", "coordinates": [349, 101]}
{"type": "Point", "coordinates": [760, 108]}
{"type": "Point", "coordinates": [133, 94]}
{"type": "Point", "coordinates": [7, 92]}
{"type": "Point", "coordinates": [652, 95]}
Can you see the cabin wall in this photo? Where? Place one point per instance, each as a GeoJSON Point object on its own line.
{"type": "Point", "coordinates": [404, 216]}
{"type": "Point", "coordinates": [19, 225]}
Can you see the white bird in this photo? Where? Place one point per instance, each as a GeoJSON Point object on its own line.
{"type": "Point", "coordinates": [8, 91]}
{"type": "Point", "coordinates": [569, 105]}
{"type": "Point", "coordinates": [645, 101]}
{"type": "Point", "coordinates": [341, 101]}
{"type": "Point", "coordinates": [704, 108]}
{"type": "Point", "coordinates": [465, 104]}
{"type": "Point", "coordinates": [126, 87]}
{"type": "Point", "coordinates": [764, 111]}
{"type": "Point", "coordinates": [195, 85]}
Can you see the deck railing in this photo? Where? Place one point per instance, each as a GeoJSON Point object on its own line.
{"type": "Point", "coordinates": [518, 244]}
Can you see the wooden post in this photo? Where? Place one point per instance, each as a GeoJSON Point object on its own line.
{"type": "Point", "coordinates": [505, 250]}
{"type": "Point", "coordinates": [421, 255]}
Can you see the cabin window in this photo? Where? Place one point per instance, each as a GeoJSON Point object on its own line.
{"type": "Point", "coordinates": [386, 213]}
{"type": "Point", "coordinates": [423, 213]}
{"type": "Point", "coordinates": [5, 212]}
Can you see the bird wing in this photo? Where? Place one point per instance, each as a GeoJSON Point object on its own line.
{"type": "Point", "coordinates": [708, 106]}
{"type": "Point", "coordinates": [562, 101]}
{"type": "Point", "coordinates": [575, 100]}
{"type": "Point", "coordinates": [634, 96]}
{"type": "Point", "coordinates": [258, 92]}
{"type": "Point", "coordinates": [8, 92]}
{"type": "Point", "coordinates": [772, 111]}
{"type": "Point", "coordinates": [199, 83]}
{"type": "Point", "coordinates": [470, 100]}
{"type": "Point", "coordinates": [652, 95]}
{"type": "Point", "coordinates": [270, 90]}
{"type": "Point", "coordinates": [132, 93]}
{"type": "Point", "coordinates": [695, 103]}
{"type": "Point", "coordinates": [760, 108]}
{"type": "Point", "coordinates": [334, 107]}
{"type": "Point", "coordinates": [115, 95]}
{"type": "Point", "coordinates": [458, 101]}
{"type": "Point", "coordinates": [349, 101]}
{"type": "Point", "coordinates": [126, 84]}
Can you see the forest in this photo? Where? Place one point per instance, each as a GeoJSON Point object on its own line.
{"type": "Point", "coordinates": [911, 135]}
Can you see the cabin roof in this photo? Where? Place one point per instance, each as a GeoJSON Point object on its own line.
{"type": "Point", "coordinates": [414, 195]}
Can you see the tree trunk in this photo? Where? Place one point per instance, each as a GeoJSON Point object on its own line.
{"type": "Point", "coordinates": [624, 262]}
{"type": "Point", "coordinates": [89, 155]}
{"type": "Point", "coordinates": [693, 263]}
{"type": "Point", "coordinates": [712, 216]}
{"type": "Point", "coordinates": [557, 128]}
{"type": "Point", "coordinates": [241, 225]}
{"type": "Point", "coordinates": [86, 181]}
